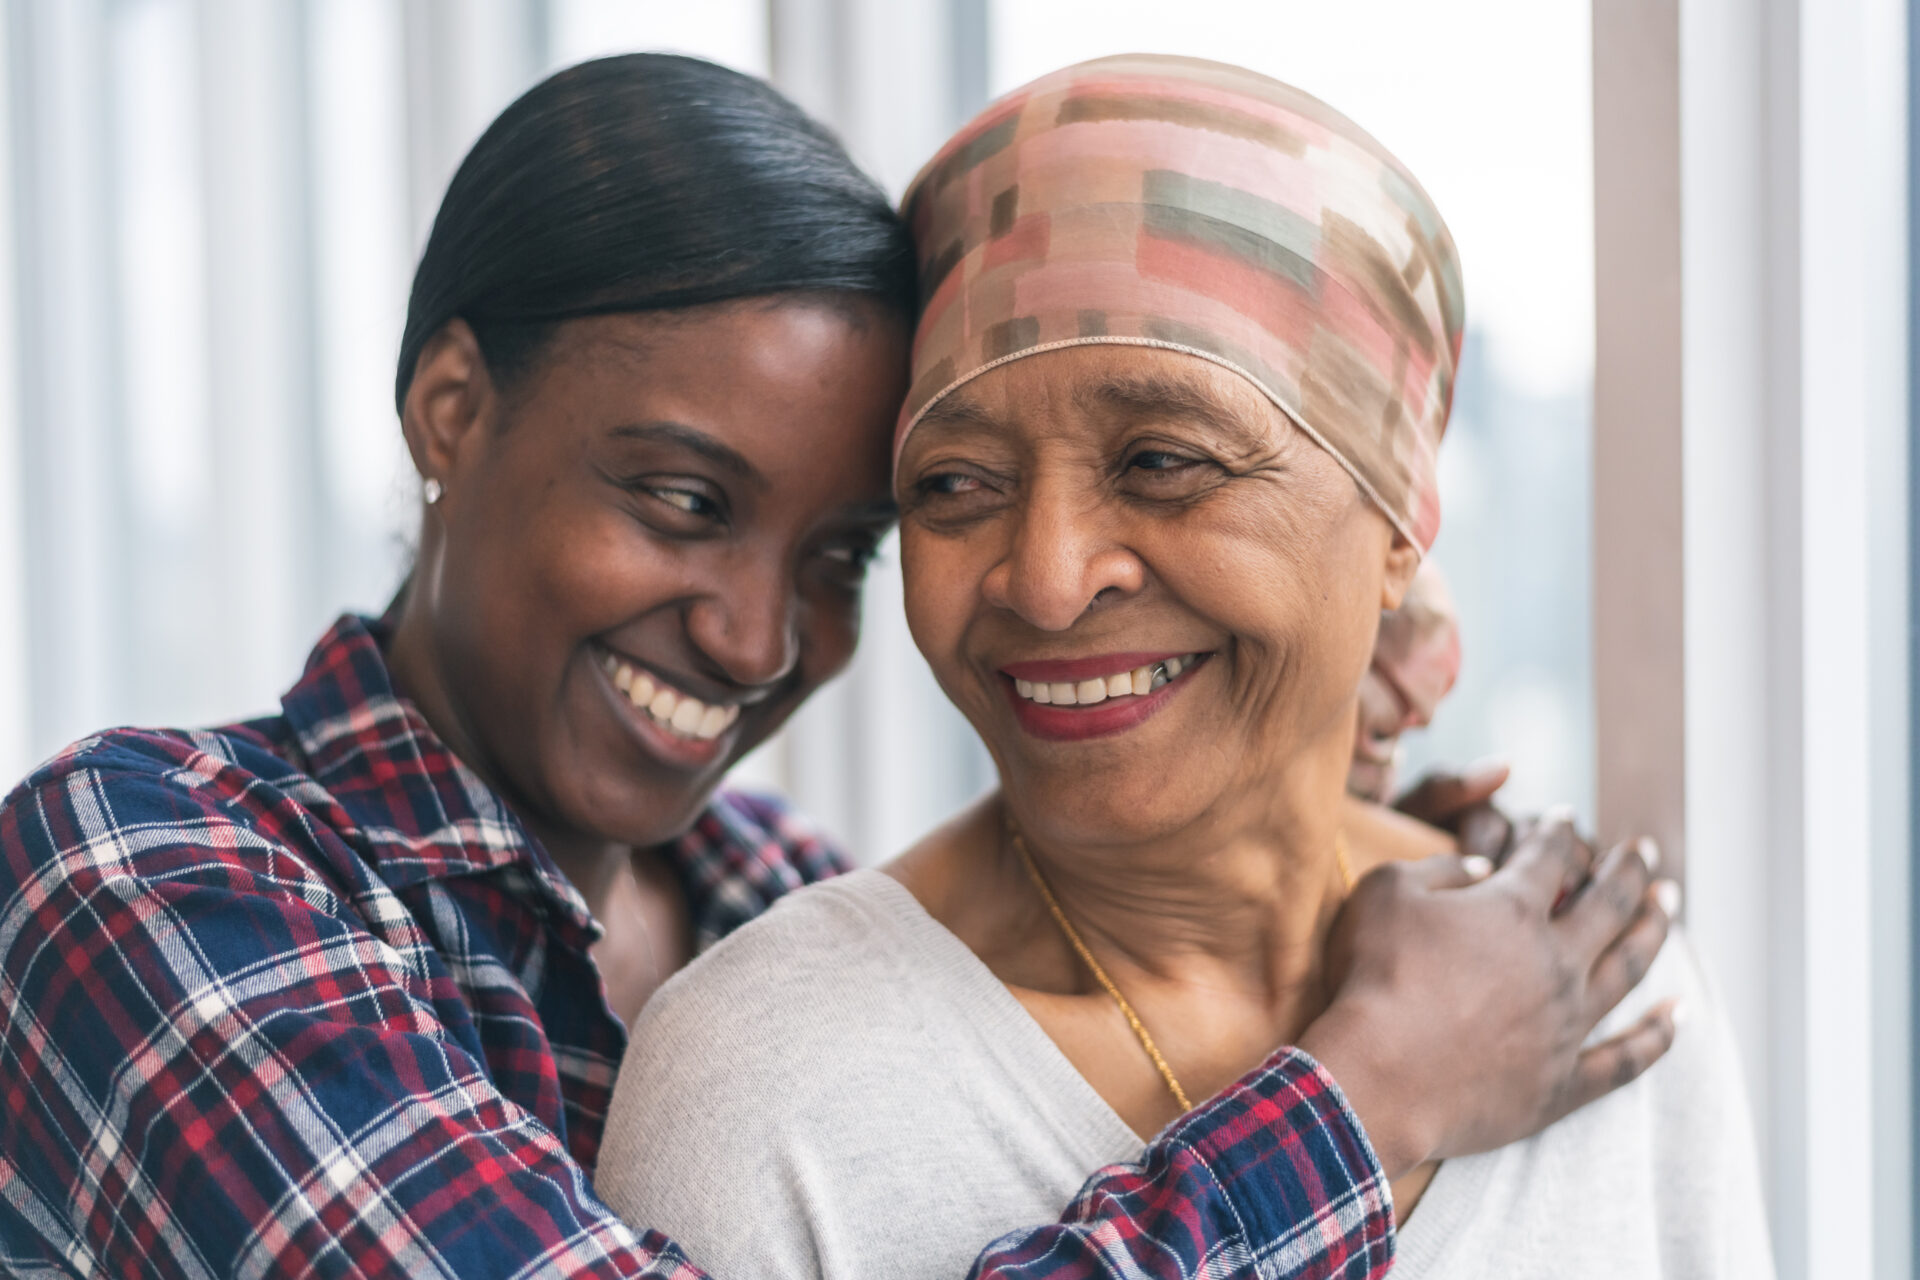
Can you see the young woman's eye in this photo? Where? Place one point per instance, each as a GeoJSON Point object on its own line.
{"type": "Point", "coordinates": [688, 500]}
{"type": "Point", "coordinates": [853, 555]}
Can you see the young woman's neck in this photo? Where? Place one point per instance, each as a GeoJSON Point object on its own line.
{"type": "Point", "coordinates": [591, 864]}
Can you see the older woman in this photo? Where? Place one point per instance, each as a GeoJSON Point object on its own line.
{"type": "Point", "coordinates": [1186, 356]}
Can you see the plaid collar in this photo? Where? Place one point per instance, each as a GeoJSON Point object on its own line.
{"type": "Point", "coordinates": [419, 812]}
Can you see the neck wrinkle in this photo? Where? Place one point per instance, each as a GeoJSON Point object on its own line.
{"type": "Point", "coordinates": [1247, 907]}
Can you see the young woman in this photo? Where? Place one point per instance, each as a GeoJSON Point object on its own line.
{"type": "Point", "coordinates": [1184, 365]}
{"type": "Point", "coordinates": [341, 990]}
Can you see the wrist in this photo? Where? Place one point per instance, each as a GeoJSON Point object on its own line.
{"type": "Point", "coordinates": [1347, 1042]}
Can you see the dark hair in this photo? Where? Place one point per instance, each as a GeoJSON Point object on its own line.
{"type": "Point", "coordinates": [639, 183]}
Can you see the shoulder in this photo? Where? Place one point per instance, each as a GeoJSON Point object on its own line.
{"type": "Point", "coordinates": [135, 843]}
{"type": "Point", "coordinates": [746, 1062]}
{"type": "Point", "coordinates": [746, 851]}
{"type": "Point", "coordinates": [1377, 834]}
{"type": "Point", "coordinates": [140, 798]}
{"type": "Point", "coordinates": [800, 1002]}
{"type": "Point", "coordinates": [781, 989]}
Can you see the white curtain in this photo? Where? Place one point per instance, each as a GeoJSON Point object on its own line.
{"type": "Point", "coordinates": [209, 215]}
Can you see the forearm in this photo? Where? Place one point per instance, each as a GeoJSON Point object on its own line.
{"type": "Point", "coordinates": [1273, 1177]}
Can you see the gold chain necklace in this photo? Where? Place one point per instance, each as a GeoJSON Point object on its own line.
{"type": "Point", "coordinates": [1100, 975]}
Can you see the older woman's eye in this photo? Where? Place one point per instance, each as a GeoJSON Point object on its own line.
{"type": "Point", "coordinates": [948, 482]}
{"type": "Point", "coordinates": [1159, 460]}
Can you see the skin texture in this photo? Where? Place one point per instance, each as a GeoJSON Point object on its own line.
{"type": "Point", "coordinates": [696, 491]}
{"type": "Point", "coordinates": [1100, 500]}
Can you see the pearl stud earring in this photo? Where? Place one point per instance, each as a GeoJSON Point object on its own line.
{"type": "Point", "coordinates": [431, 490]}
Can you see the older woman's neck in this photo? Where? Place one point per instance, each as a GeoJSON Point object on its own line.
{"type": "Point", "coordinates": [1244, 894]}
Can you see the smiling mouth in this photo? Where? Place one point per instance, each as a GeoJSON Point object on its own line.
{"type": "Point", "coordinates": [1137, 682]}
{"type": "Point", "coordinates": [679, 713]}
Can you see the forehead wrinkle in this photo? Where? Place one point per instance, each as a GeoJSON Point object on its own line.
{"type": "Point", "coordinates": [1154, 394]}
{"type": "Point", "coordinates": [957, 414]}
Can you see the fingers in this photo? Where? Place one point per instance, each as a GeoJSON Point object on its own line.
{"type": "Point", "coordinates": [1486, 832]}
{"type": "Point", "coordinates": [1622, 965]}
{"type": "Point", "coordinates": [1445, 871]}
{"type": "Point", "coordinates": [1443, 799]}
{"type": "Point", "coordinates": [1549, 858]}
{"type": "Point", "coordinates": [1623, 1059]}
{"type": "Point", "coordinates": [1608, 902]}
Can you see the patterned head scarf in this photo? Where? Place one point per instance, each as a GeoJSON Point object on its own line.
{"type": "Point", "coordinates": [1198, 207]}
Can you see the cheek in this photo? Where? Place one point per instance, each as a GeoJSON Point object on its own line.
{"type": "Point", "coordinates": [942, 589]}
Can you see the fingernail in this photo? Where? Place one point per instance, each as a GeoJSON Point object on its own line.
{"type": "Point", "coordinates": [1559, 815]}
{"type": "Point", "coordinates": [1667, 894]}
{"type": "Point", "coordinates": [1679, 1014]}
{"type": "Point", "coordinates": [1484, 770]}
{"type": "Point", "coordinates": [1649, 852]}
{"type": "Point", "coordinates": [1476, 867]}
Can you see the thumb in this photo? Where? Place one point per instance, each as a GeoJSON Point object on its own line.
{"type": "Point", "coordinates": [1448, 871]}
{"type": "Point", "coordinates": [1439, 797]}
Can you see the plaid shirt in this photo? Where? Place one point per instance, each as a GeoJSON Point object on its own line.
{"type": "Point", "coordinates": [301, 997]}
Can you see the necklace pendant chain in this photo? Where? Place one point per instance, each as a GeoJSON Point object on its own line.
{"type": "Point", "coordinates": [1080, 949]}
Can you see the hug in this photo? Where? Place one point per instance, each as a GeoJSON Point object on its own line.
{"type": "Point", "coordinates": [467, 962]}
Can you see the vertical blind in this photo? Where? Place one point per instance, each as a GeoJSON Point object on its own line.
{"type": "Point", "coordinates": [209, 215]}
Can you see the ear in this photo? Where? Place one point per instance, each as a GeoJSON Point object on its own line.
{"type": "Point", "coordinates": [1403, 561]}
{"type": "Point", "coordinates": [448, 400]}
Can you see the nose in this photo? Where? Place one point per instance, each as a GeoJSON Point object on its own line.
{"type": "Point", "coordinates": [750, 629]}
{"type": "Point", "coordinates": [1064, 557]}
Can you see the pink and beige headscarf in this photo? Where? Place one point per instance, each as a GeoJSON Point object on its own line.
{"type": "Point", "coordinates": [1198, 207]}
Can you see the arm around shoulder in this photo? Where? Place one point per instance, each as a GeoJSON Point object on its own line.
{"type": "Point", "coordinates": [212, 1073]}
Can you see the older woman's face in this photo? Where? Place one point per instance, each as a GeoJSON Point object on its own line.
{"type": "Point", "coordinates": [1078, 518]}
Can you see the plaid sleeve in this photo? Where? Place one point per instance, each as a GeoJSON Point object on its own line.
{"type": "Point", "coordinates": [211, 1071]}
{"type": "Point", "coordinates": [1274, 1178]}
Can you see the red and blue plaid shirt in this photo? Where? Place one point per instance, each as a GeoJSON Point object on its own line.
{"type": "Point", "coordinates": [301, 997]}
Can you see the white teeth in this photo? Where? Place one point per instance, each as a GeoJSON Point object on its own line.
{"type": "Point", "coordinates": [1085, 693]}
{"type": "Point", "coordinates": [686, 716]}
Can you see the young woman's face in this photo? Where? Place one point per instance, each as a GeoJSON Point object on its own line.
{"type": "Point", "coordinates": [650, 550]}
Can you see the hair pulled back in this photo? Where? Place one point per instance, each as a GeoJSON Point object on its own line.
{"type": "Point", "coordinates": [645, 182]}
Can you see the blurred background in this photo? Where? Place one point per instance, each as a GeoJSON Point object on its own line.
{"type": "Point", "coordinates": [210, 211]}
{"type": "Point", "coordinates": [219, 205]}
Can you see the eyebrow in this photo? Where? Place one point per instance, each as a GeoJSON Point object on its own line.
{"type": "Point", "coordinates": [1156, 395]}
{"type": "Point", "coordinates": [722, 455]}
{"type": "Point", "coordinates": [957, 413]}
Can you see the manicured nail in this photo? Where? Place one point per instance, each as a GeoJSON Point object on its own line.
{"type": "Point", "coordinates": [1476, 867]}
{"type": "Point", "coordinates": [1559, 815]}
{"type": "Point", "coordinates": [1667, 894]}
{"type": "Point", "coordinates": [1679, 1014]}
{"type": "Point", "coordinates": [1649, 852]}
{"type": "Point", "coordinates": [1481, 772]}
